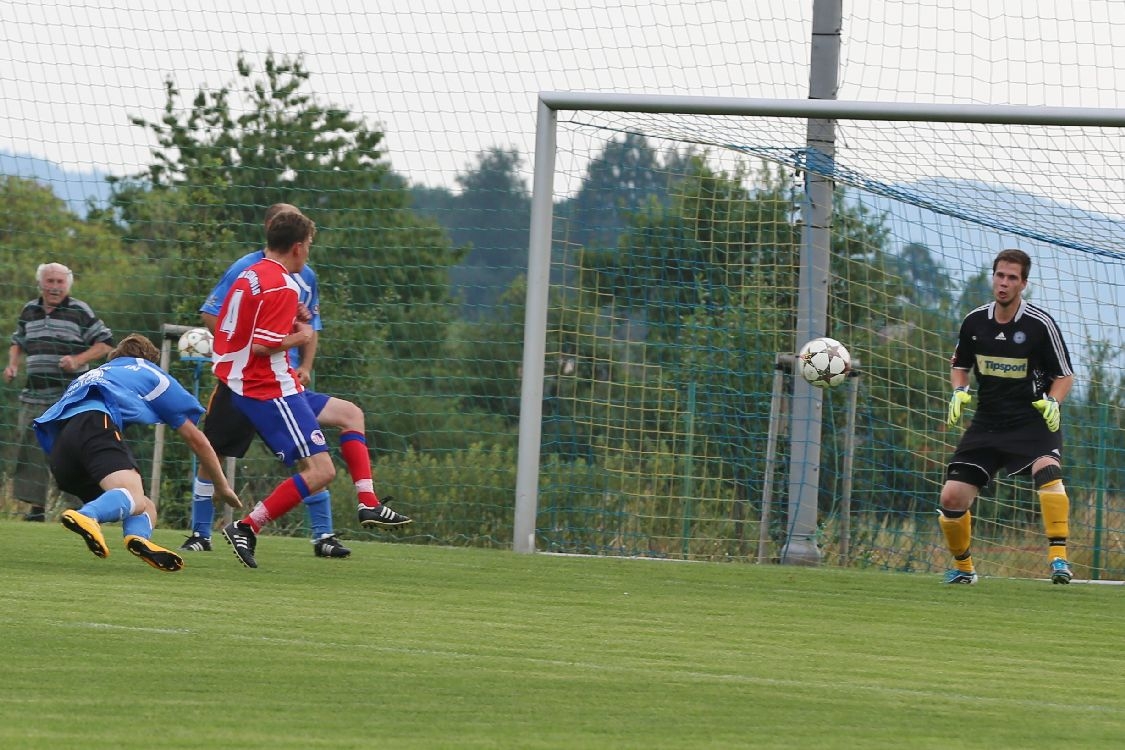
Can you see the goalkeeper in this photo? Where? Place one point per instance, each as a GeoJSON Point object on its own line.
{"type": "Point", "coordinates": [1023, 374]}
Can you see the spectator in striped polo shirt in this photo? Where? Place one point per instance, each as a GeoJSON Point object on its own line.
{"type": "Point", "coordinates": [60, 337]}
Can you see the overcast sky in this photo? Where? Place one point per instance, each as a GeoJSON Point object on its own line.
{"type": "Point", "coordinates": [448, 78]}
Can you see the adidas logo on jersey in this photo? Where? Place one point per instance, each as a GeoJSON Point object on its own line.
{"type": "Point", "coordinates": [1001, 337]}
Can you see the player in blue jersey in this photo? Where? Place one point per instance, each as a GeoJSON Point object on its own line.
{"type": "Point", "coordinates": [1023, 373]}
{"type": "Point", "coordinates": [82, 436]}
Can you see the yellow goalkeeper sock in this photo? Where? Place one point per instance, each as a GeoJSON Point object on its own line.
{"type": "Point", "coordinates": [958, 532]}
{"type": "Point", "coordinates": [1055, 508]}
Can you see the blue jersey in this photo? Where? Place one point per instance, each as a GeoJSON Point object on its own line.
{"type": "Point", "coordinates": [308, 293]}
{"type": "Point", "coordinates": [130, 390]}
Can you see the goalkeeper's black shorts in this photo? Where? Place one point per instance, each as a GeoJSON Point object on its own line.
{"type": "Point", "coordinates": [982, 453]}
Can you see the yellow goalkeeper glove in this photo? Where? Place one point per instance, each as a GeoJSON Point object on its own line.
{"type": "Point", "coordinates": [961, 397]}
{"type": "Point", "coordinates": [1049, 408]}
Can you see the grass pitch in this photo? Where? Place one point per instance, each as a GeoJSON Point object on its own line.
{"type": "Point", "coordinates": [428, 647]}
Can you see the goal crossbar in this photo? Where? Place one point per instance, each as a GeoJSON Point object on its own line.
{"type": "Point", "coordinates": [834, 109]}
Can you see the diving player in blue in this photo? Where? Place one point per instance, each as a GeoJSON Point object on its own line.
{"type": "Point", "coordinates": [231, 433]}
{"type": "Point", "coordinates": [82, 436]}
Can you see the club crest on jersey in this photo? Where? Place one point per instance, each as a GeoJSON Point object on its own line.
{"type": "Point", "coordinates": [1019, 337]}
{"type": "Point", "coordinates": [318, 438]}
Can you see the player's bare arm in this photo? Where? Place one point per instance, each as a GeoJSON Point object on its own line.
{"type": "Point", "coordinates": [308, 356]}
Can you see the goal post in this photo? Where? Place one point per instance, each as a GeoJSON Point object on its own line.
{"type": "Point", "coordinates": [727, 126]}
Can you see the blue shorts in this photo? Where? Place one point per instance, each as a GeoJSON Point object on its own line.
{"type": "Point", "coordinates": [317, 401]}
{"type": "Point", "coordinates": [287, 425]}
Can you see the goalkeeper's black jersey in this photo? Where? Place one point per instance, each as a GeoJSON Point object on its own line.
{"type": "Point", "coordinates": [1014, 363]}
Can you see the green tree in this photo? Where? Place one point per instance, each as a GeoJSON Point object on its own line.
{"type": "Point", "coordinates": [976, 291]}
{"type": "Point", "coordinates": [619, 182]}
{"type": "Point", "coordinates": [714, 237]}
{"type": "Point", "coordinates": [1094, 416]}
{"type": "Point", "coordinates": [489, 217]}
{"type": "Point", "coordinates": [921, 271]}
{"type": "Point", "coordinates": [201, 201]}
{"type": "Point", "coordinates": [37, 227]}
{"type": "Point", "coordinates": [222, 156]}
{"type": "Point", "coordinates": [714, 272]}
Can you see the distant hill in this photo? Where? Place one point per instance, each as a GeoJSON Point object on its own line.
{"type": "Point", "coordinates": [75, 188]}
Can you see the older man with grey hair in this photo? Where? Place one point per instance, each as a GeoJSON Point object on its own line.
{"type": "Point", "coordinates": [59, 337]}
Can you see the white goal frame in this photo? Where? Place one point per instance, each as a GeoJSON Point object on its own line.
{"type": "Point", "coordinates": [811, 315]}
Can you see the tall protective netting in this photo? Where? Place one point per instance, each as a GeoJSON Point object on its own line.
{"type": "Point", "coordinates": [672, 308]}
{"type": "Point", "coordinates": [142, 141]}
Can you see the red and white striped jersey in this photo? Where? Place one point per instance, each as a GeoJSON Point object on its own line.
{"type": "Point", "coordinates": [260, 308]}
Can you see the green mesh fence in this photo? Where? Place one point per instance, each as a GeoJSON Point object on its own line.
{"type": "Point", "coordinates": [141, 146]}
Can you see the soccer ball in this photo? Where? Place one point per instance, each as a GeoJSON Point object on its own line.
{"type": "Point", "coordinates": [196, 343]}
{"type": "Point", "coordinates": [824, 362]}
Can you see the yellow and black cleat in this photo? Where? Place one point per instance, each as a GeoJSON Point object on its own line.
{"type": "Point", "coordinates": [153, 554]}
{"type": "Point", "coordinates": [87, 528]}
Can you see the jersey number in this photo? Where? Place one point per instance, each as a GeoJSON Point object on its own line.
{"type": "Point", "coordinates": [226, 325]}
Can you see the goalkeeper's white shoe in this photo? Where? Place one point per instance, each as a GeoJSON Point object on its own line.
{"type": "Point", "coordinates": [960, 576]}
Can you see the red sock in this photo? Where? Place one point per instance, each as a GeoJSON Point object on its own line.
{"type": "Point", "coordinates": [284, 498]}
{"type": "Point", "coordinates": [353, 446]}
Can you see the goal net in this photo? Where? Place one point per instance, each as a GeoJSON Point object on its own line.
{"type": "Point", "coordinates": [671, 272]}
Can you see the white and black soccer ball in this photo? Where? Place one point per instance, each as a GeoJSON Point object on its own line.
{"type": "Point", "coordinates": [195, 344]}
{"type": "Point", "coordinates": [824, 362]}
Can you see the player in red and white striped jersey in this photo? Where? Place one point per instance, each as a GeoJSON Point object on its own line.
{"type": "Point", "coordinates": [256, 328]}
{"type": "Point", "coordinates": [260, 309]}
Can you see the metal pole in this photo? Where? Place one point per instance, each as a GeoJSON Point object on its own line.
{"type": "Point", "coordinates": [783, 362]}
{"type": "Point", "coordinates": [812, 298]}
{"type": "Point", "coordinates": [169, 331]}
{"type": "Point", "coordinates": [535, 333]}
{"type": "Point", "coordinates": [1102, 461]}
{"type": "Point", "coordinates": [1012, 114]}
{"type": "Point", "coordinates": [687, 487]}
{"type": "Point", "coordinates": [849, 463]}
{"type": "Point", "coordinates": [158, 439]}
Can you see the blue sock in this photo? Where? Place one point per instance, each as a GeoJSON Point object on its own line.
{"type": "Point", "coordinates": [139, 525]}
{"type": "Point", "coordinates": [202, 508]}
{"type": "Point", "coordinates": [112, 505]}
{"type": "Point", "coordinates": [320, 513]}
